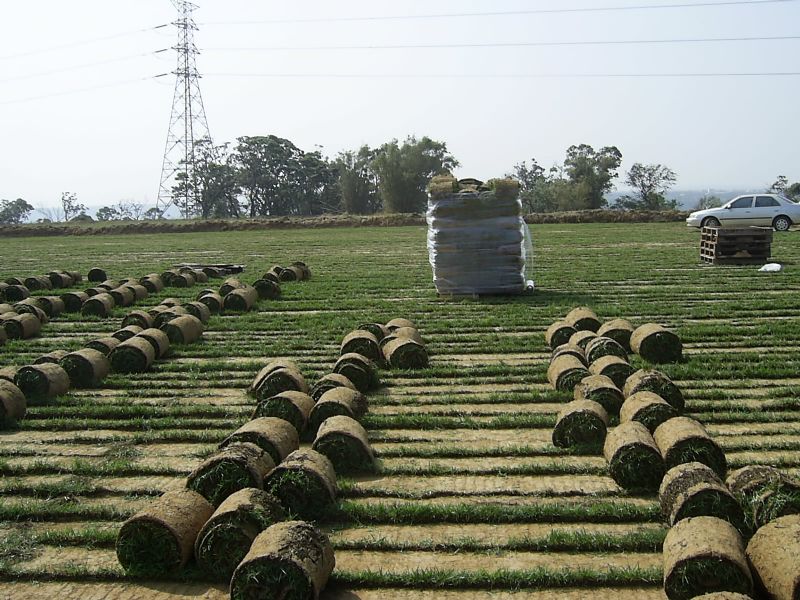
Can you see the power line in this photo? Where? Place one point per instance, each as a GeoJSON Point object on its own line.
{"type": "Point", "coordinates": [80, 90]}
{"type": "Point", "coordinates": [503, 76]}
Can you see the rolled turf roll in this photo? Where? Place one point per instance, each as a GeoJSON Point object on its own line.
{"type": "Point", "coordinates": [271, 367]}
{"type": "Point", "coordinates": [158, 340]}
{"type": "Point", "coordinates": [127, 333]}
{"type": "Point", "coordinates": [294, 407]}
{"type": "Point", "coordinates": [359, 369]}
{"type": "Point", "coordinates": [598, 347]}
{"type": "Point", "coordinates": [60, 279]}
{"type": "Point", "coordinates": [42, 381]}
{"type": "Point", "coordinates": [681, 478]}
{"type": "Point", "coordinates": [86, 368]}
{"type": "Point", "coordinates": [139, 318]}
{"type": "Point", "coordinates": [410, 333]}
{"type": "Point", "coordinates": [182, 280]}
{"type": "Point", "coordinates": [276, 437]}
{"type": "Point", "coordinates": [22, 327]}
{"type": "Point", "coordinates": [167, 276]}
{"type": "Point", "coordinates": [154, 285]}
{"type": "Point", "coordinates": [183, 330]}
{"type": "Point", "coordinates": [329, 382]}
{"type": "Point", "coordinates": [171, 302]}
{"type": "Point", "coordinates": [199, 276]}
{"type": "Point", "coordinates": [291, 274]}
{"type": "Point", "coordinates": [52, 306]}
{"type": "Point", "coordinates": [343, 440]}
{"type": "Point", "coordinates": [619, 330]}
{"type": "Point", "coordinates": [270, 276]}
{"type": "Point", "coordinates": [16, 293]}
{"type": "Point", "coordinates": [650, 409]}
{"type": "Point", "coordinates": [753, 479]}
{"type": "Point", "coordinates": [634, 461]}
{"type": "Point", "coordinates": [51, 357]}
{"type": "Point", "coordinates": [199, 310]}
{"type": "Point", "coordinates": [8, 374]}
{"type": "Point", "coordinates": [292, 559]}
{"type": "Point", "coordinates": [723, 596]}
{"type": "Point", "coordinates": [38, 283]}
{"type": "Point", "coordinates": [135, 355]}
{"type": "Point", "coordinates": [702, 555]}
{"type": "Point", "coordinates": [615, 368]}
{"type": "Point", "coordinates": [73, 301]}
{"type": "Point", "coordinates": [109, 284]}
{"type": "Point", "coordinates": [305, 484]}
{"type": "Point", "coordinates": [76, 277]}
{"type": "Point", "coordinates": [96, 275]}
{"type": "Point", "coordinates": [6, 308]}
{"type": "Point", "coordinates": [92, 292]}
{"type": "Point", "coordinates": [213, 272]}
{"type": "Point", "coordinates": [583, 319]}
{"type": "Point", "coordinates": [123, 296]}
{"type": "Point", "coordinates": [682, 440]}
{"type": "Point", "coordinates": [406, 353]}
{"type": "Point", "coordinates": [99, 305]}
{"type": "Point", "coordinates": [773, 552]}
{"type": "Point", "coordinates": [15, 281]}
{"type": "Point", "coordinates": [7, 316]}
{"type": "Point", "coordinates": [241, 300]}
{"type": "Point", "coordinates": [704, 498]}
{"type": "Point", "coordinates": [646, 380]}
{"type": "Point", "coordinates": [304, 268]}
{"type": "Point", "coordinates": [3, 286]}
{"type": "Point", "coordinates": [267, 290]}
{"type": "Point", "coordinates": [276, 381]}
{"type": "Point", "coordinates": [362, 342]}
{"type": "Point", "coordinates": [395, 324]}
{"type": "Point", "coordinates": [764, 493]}
{"type": "Point", "coordinates": [581, 423]}
{"type": "Point", "coordinates": [3, 336]}
{"type": "Point", "coordinates": [276, 270]}
{"type": "Point", "coordinates": [214, 302]}
{"type": "Point", "coordinates": [160, 539]}
{"type": "Point", "coordinates": [13, 405]}
{"type": "Point", "coordinates": [558, 334]}
{"type": "Point", "coordinates": [570, 350]}
{"type": "Point", "coordinates": [565, 372]}
{"type": "Point", "coordinates": [30, 306]}
{"type": "Point", "coordinates": [166, 316]}
{"type": "Point", "coordinates": [376, 329]}
{"type": "Point", "coordinates": [338, 401]}
{"type": "Point", "coordinates": [582, 338]}
{"type": "Point", "coordinates": [229, 285]}
{"type": "Point", "coordinates": [602, 390]}
{"type": "Point", "coordinates": [139, 291]}
{"type": "Point", "coordinates": [656, 344]}
{"type": "Point", "coordinates": [227, 536]}
{"type": "Point", "coordinates": [233, 468]}
{"type": "Point", "coordinates": [104, 345]}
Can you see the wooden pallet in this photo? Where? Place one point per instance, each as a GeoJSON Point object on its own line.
{"type": "Point", "coordinates": [745, 246]}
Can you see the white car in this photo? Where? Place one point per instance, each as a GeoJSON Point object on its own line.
{"type": "Point", "coordinates": [764, 210]}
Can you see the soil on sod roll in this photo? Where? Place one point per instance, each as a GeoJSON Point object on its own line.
{"type": "Point", "coordinates": [270, 276]}
{"type": "Point", "coordinates": [646, 380]}
{"type": "Point", "coordinates": [104, 345]}
{"type": "Point", "coordinates": [634, 461]}
{"type": "Point", "coordinates": [305, 484]}
{"type": "Point", "coordinates": [581, 423]}
{"type": "Point", "coordinates": [154, 285]}
{"type": "Point", "coordinates": [15, 293]}
{"type": "Point", "coordinates": [73, 301]}
{"type": "Point", "coordinates": [227, 536]}
{"type": "Point", "coordinates": [619, 330]}
{"type": "Point", "coordinates": [22, 327]}
{"type": "Point", "coordinates": [42, 381]}
{"type": "Point", "coordinates": [399, 322]}
{"type": "Point", "coordinates": [615, 368]}
{"type": "Point", "coordinates": [185, 329]}
{"type": "Point", "coordinates": [329, 382]}
{"type": "Point", "coordinates": [650, 409]}
{"type": "Point", "coordinates": [127, 333]}
{"type": "Point", "coordinates": [139, 318]}
{"type": "Point", "coordinates": [559, 333]}
{"type": "Point", "coordinates": [682, 440]}
{"type": "Point", "coordinates": [99, 305]}
{"type": "Point", "coordinates": [233, 468]}
{"type": "Point", "coordinates": [123, 296]}
{"type": "Point", "coordinates": [764, 493]}
{"type": "Point", "coordinates": [582, 338]}
{"type": "Point", "coordinates": [166, 316]}
{"type": "Point", "coordinates": [52, 306]}
{"type": "Point", "coordinates": [199, 310]}
{"type": "Point", "coordinates": [267, 289]}
{"type": "Point", "coordinates": [571, 350]}
{"type": "Point", "coordinates": [362, 342]}
{"type": "Point", "coordinates": [86, 368]}
{"type": "Point", "coordinates": [583, 319]}
{"type": "Point", "coordinates": [656, 344]}
{"type": "Point", "coordinates": [753, 479]}
{"type": "Point", "coordinates": [276, 381]}
{"type": "Point", "coordinates": [339, 401]}
{"type": "Point", "coordinates": [135, 355]}
{"type": "Point", "coordinates": [229, 285]}
{"type": "Point", "coordinates": [292, 274]}
{"type": "Point", "coordinates": [360, 370]}
{"type": "Point", "coordinates": [276, 437]}
{"type": "Point", "coordinates": [565, 372]}
{"type": "Point", "coordinates": [96, 275]}
{"type": "Point", "coordinates": [8, 374]}
{"type": "Point", "coordinates": [409, 332]}
{"type": "Point", "coordinates": [199, 276]}
{"type": "Point", "coordinates": [291, 560]}
{"type": "Point", "coordinates": [158, 340]}
{"type": "Point", "coordinates": [214, 302]}
{"type": "Point", "coordinates": [708, 499]}
{"type": "Point", "coordinates": [377, 329]}
{"type": "Point", "coordinates": [602, 390]}
{"type": "Point", "coordinates": [702, 555]}
{"type": "Point", "coordinates": [773, 552]}
{"type": "Point", "coordinates": [51, 357]}
{"type": "Point", "coordinates": [344, 442]}
{"type": "Point", "coordinates": [241, 300]}
{"type": "Point", "coordinates": [13, 405]}
{"type": "Point", "coordinates": [679, 479]}
{"type": "Point", "coordinates": [29, 307]}
{"type": "Point", "coordinates": [271, 367]}
{"type": "Point", "coordinates": [160, 539]}
{"type": "Point", "coordinates": [294, 407]}
{"type": "Point", "coordinates": [598, 347]}
{"type": "Point", "coordinates": [406, 353]}
{"type": "Point", "coordinates": [139, 291]}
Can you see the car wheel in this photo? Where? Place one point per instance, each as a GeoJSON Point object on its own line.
{"type": "Point", "coordinates": [711, 222]}
{"type": "Point", "coordinates": [782, 223]}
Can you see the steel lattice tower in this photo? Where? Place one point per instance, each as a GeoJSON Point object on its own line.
{"type": "Point", "coordinates": [187, 123]}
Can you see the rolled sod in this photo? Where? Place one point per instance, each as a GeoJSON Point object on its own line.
{"type": "Point", "coordinates": [267, 290]}
{"type": "Point", "coordinates": [52, 306]}
{"type": "Point", "coordinates": [276, 437]}
{"type": "Point", "coordinates": [171, 302]}
{"type": "Point", "coordinates": [634, 461]}
{"type": "Point", "coordinates": [199, 310]}
{"type": "Point", "coordinates": [13, 404]}
{"type": "Point", "coordinates": [199, 276]}
{"type": "Point", "coordinates": [615, 368]}
{"type": "Point", "coordinates": [304, 268]}
{"type": "Point", "coordinates": [406, 353]}
{"type": "Point", "coordinates": [139, 291]}
{"type": "Point", "coordinates": [213, 272]}
{"type": "Point", "coordinates": [583, 319]}
{"type": "Point", "coordinates": [598, 347]}
{"type": "Point", "coordinates": [158, 340]}
{"type": "Point", "coordinates": [167, 276]}
{"type": "Point", "coordinates": [96, 275]}
{"type": "Point", "coordinates": [291, 560]}
{"type": "Point", "coordinates": [42, 381]}
{"type": "Point", "coordinates": [773, 552]}
{"type": "Point", "coordinates": [271, 382]}
{"type": "Point", "coordinates": [166, 316]}
{"type": "Point", "coordinates": [708, 499]}
{"type": "Point", "coordinates": [182, 280]}
{"type": "Point", "coordinates": [305, 484]}
{"type": "Point", "coordinates": [270, 276]}
{"type": "Point", "coordinates": [343, 440]}
{"type": "Point", "coordinates": [15, 293]}
{"type": "Point", "coordinates": [362, 342]}
{"type": "Point", "coordinates": [581, 423]}
{"type": "Point", "coordinates": [682, 440]}
{"type": "Point", "coordinates": [183, 330]}
{"type": "Point", "coordinates": [569, 350]}
{"type": "Point", "coordinates": [704, 555]}
{"type": "Point", "coordinates": [359, 369]}
{"type": "Point", "coordinates": [104, 345]}
{"type": "Point", "coordinates": [135, 355]}
{"type": "Point", "coordinates": [160, 539]}
{"type": "Point", "coordinates": [646, 380]}
{"type": "Point", "coordinates": [241, 300]}
{"type": "Point", "coordinates": [22, 327]}
{"type": "Point", "coordinates": [214, 302]}
{"type": "Point", "coordinates": [292, 274]}
{"type": "Point", "coordinates": [723, 596]}
{"type": "Point", "coordinates": [329, 382]}
{"type": "Point", "coordinates": [73, 301]}
{"type": "Point", "coordinates": [650, 409]}
{"type": "Point", "coordinates": [229, 285]}
{"type": "Point", "coordinates": [376, 329]}
{"type": "Point", "coordinates": [51, 357]}
{"type": "Point", "coordinates": [764, 493]}
{"type": "Point", "coordinates": [14, 281]}
{"type": "Point", "coordinates": [139, 318]}
{"type": "Point", "coordinates": [409, 332]}
{"type": "Point", "coordinates": [76, 277]}
{"type": "Point", "coordinates": [272, 366]}
{"type": "Point", "coordinates": [233, 468]}
{"type": "Point", "coordinates": [275, 270]}
{"type": "Point", "coordinates": [339, 401]}
{"type": "Point", "coordinates": [558, 334]}
{"type": "Point", "coordinates": [154, 285]}
{"type": "Point", "coordinates": [127, 333]}
{"type": "Point", "coordinates": [754, 479]}
{"type": "Point", "coordinates": [109, 284]}
{"type": "Point", "coordinates": [8, 374]}
{"type": "Point", "coordinates": [227, 536]}
{"type": "Point", "coordinates": [3, 336]}
{"type": "Point", "coordinates": [400, 322]}
{"type": "Point", "coordinates": [86, 368]}
{"type": "Point", "coordinates": [602, 390]}
{"type": "Point", "coordinates": [6, 308]}
{"type": "Point", "coordinates": [99, 305]}
{"type": "Point", "coordinates": [656, 344]}
{"type": "Point", "coordinates": [294, 407]}
{"type": "Point", "coordinates": [29, 306]}
{"type": "Point", "coordinates": [38, 283]}
{"type": "Point", "coordinates": [565, 372]}
{"type": "Point", "coordinates": [582, 338]}
{"type": "Point", "coordinates": [60, 279]}
{"type": "Point", "coordinates": [7, 316]}
{"type": "Point", "coordinates": [681, 478]}
{"type": "Point", "coordinates": [92, 292]}
{"type": "Point", "coordinates": [123, 296]}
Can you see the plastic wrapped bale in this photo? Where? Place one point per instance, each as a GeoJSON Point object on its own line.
{"type": "Point", "coordinates": [558, 334]}
{"type": "Point", "coordinates": [99, 305]}
{"type": "Point", "coordinates": [598, 347]}
{"type": "Point", "coordinates": [634, 461]}
{"type": "Point", "coordinates": [656, 344]}
{"type": "Point", "coordinates": [52, 306]}
{"type": "Point", "coordinates": [233, 468]}
{"type": "Point", "coordinates": [214, 302]}
{"type": "Point", "coordinates": [618, 330]}
{"type": "Point", "coordinates": [615, 368]}
{"type": "Point", "coordinates": [51, 357]}
{"type": "Point", "coordinates": [41, 382]}
{"type": "Point", "coordinates": [305, 484]}
{"type": "Point", "coordinates": [73, 301]}
{"type": "Point", "coordinates": [344, 441]}
{"type": "Point", "coordinates": [96, 275]}
{"type": "Point", "coordinates": [227, 536]}
{"type": "Point", "coordinates": [359, 369]}
{"type": "Point", "coordinates": [292, 273]}
{"type": "Point", "coordinates": [267, 290]}
{"type": "Point", "coordinates": [15, 293]}
{"type": "Point", "coordinates": [127, 333]}
{"type": "Point", "coordinates": [581, 424]}
{"type": "Point", "coordinates": [565, 372]}
{"type": "Point", "coordinates": [655, 381]}
{"type": "Point", "coordinates": [199, 310]}
{"type": "Point", "coordinates": [104, 345]}
{"type": "Point", "coordinates": [583, 319]}
{"type": "Point", "coordinates": [139, 318]}
{"type": "Point", "coordinates": [376, 329]}
{"type": "Point", "coordinates": [86, 368]}
{"type": "Point", "coordinates": [703, 555]}
{"type": "Point", "coordinates": [154, 285]}
{"type": "Point", "coordinates": [338, 401]}
{"type": "Point", "coordinates": [160, 539]}
{"type": "Point", "coordinates": [682, 440]}
{"type": "Point", "coordinates": [602, 390]}
{"type": "Point", "coordinates": [183, 330]}
{"type": "Point", "coordinates": [166, 316]}
{"type": "Point", "coordinates": [294, 407]}
{"type": "Point", "coordinates": [329, 382]}
{"type": "Point", "coordinates": [292, 559]}
{"type": "Point", "coordinates": [241, 300]}
{"type": "Point", "coordinates": [582, 338]}
{"type": "Point", "coordinates": [765, 493]}
{"type": "Point", "coordinates": [362, 342]}
{"type": "Point", "coordinates": [276, 437]}
{"type": "Point", "coordinates": [13, 405]}
{"type": "Point", "coordinates": [650, 409]}
{"type": "Point", "coordinates": [773, 552]}
{"type": "Point", "coordinates": [405, 353]}
{"type": "Point", "coordinates": [22, 327]}
{"type": "Point", "coordinates": [274, 379]}
{"type": "Point", "coordinates": [158, 340]}
{"type": "Point", "coordinates": [135, 355]}
{"type": "Point", "coordinates": [229, 285]}
{"type": "Point", "coordinates": [569, 350]}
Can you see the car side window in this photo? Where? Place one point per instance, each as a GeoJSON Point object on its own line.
{"type": "Point", "coordinates": [766, 201]}
{"type": "Point", "coordinates": [745, 202]}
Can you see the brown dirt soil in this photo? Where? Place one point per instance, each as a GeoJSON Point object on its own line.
{"type": "Point", "coordinates": [475, 409]}
{"type": "Point", "coordinates": [467, 437]}
{"type": "Point", "coordinates": [494, 463]}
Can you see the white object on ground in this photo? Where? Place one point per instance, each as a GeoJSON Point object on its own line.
{"type": "Point", "coordinates": [771, 268]}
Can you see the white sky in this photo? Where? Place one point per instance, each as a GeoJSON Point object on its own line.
{"type": "Point", "coordinates": [107, 144]}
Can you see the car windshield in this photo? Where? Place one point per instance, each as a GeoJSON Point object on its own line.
{"type": "Point", "coordinates": [785, 200]}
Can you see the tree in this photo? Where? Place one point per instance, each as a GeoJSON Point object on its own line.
{"type": "Point", "coordinates": [535, 187]}
{"type": "Point", "coordinates": [782, 186]}
{"type": "Point", "coordinates": [152, 214]}
{"type": "Point", "coordinates": [107, 213]}
{"type": "Point", "coordinates": [708, 201]}
{"type": "Point", "coordinates": [358, 183]}
{"type": "Point", "coordinates": [650, 184]}
{"type": "Point", "coordinates": [14, 212]}
{"type": "Point", "coordinates": [793, 192]}
{"type": "Point", "coordinates": [70, 206]}
{"type": "Point", "coordinates": [214, 187]}
{"type": "Point", "coordinates": [595, 170]}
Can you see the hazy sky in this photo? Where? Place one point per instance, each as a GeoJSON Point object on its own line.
{"type": "Point", "coordinates": [489, 104]}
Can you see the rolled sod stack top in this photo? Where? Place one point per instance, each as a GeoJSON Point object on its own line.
{"type": "Point", "coordinates": [13, 405]}
{"type": "Point", "coordinates": [305, 484]}
{"type": "Point", "coordinates": [278, 376]}
{"type": "Point", "coordinates": [683, 440]}
{"type": "Point", "coordinates": [583, 319]}
{"type": "Point", "coordinates": [42, 381]}
{"type": "Point", "coordinates": [634, 461]}
{"type": "Point", "coordinates": [656, 382]}
{"type": "Point", "coordinates": [276, 437]}
{"type": "Point", "coordinates": [86, 368]}
{"type": "Point", "coordinates": [656, 344]}
{"type": "Point", "coordinates": [773, 551]}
